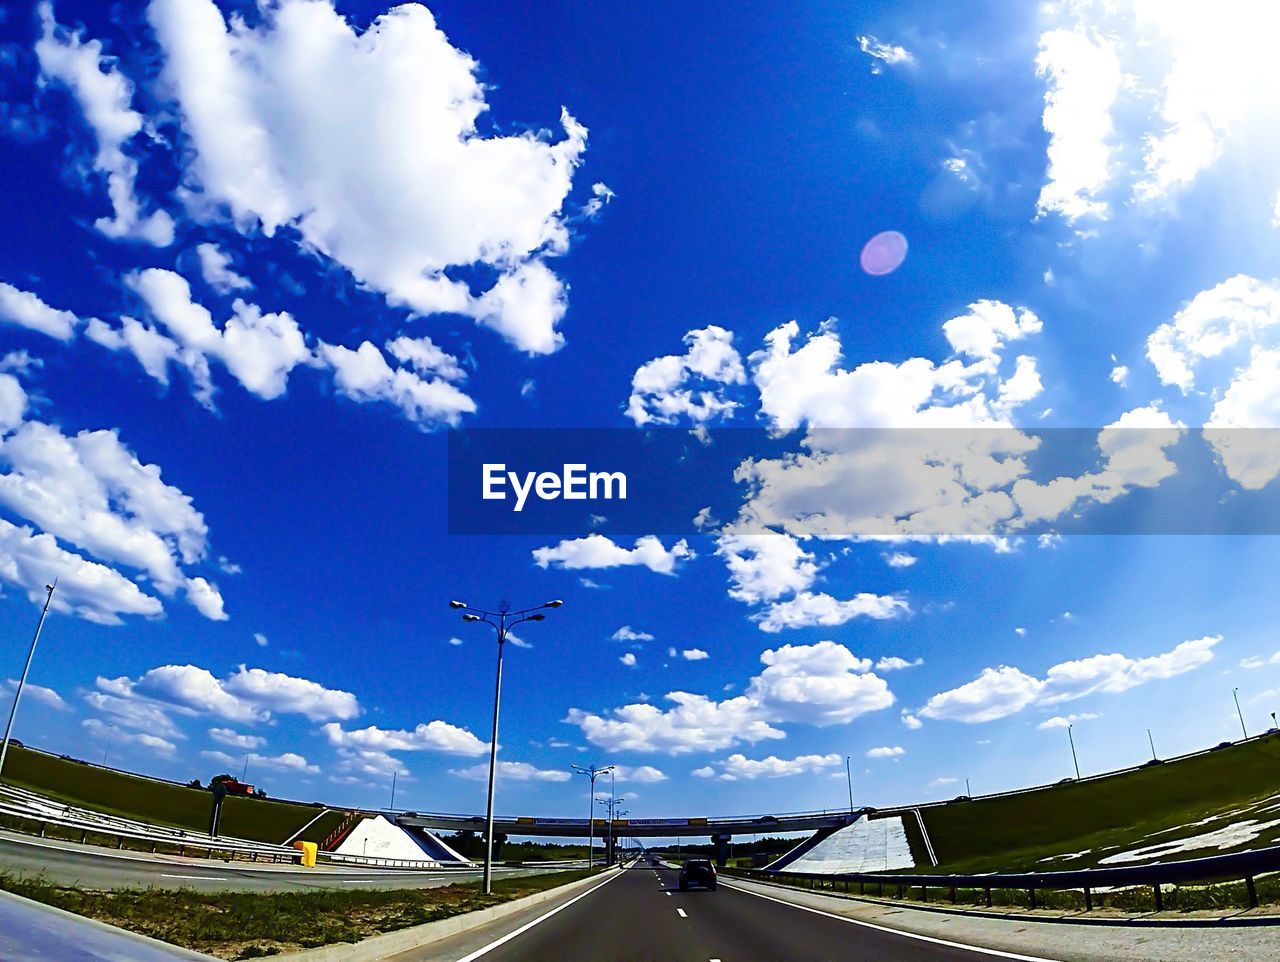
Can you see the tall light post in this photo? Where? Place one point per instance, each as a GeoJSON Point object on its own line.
{"type": "Point", "coordinates": [17, 694]}
{"type": "Point", "coordinates": [1074, 759]}
{"type": "Point", "coordinates": [592, 772]}
{"type": "Point", "coordinates": [848, 777]}
{"type": "Point", "coordinates": [506, 619]}
{"type": "Point", "coordinates": [613, 801]}
{"type": "Point", "coordinates": [1152, 742]}
{"type": "Point", "coordinates": [1235, 693]}
{"type": "Point", "coordinates": [394, 773]}
{"type": "Point", "coordinates": [111, 731]}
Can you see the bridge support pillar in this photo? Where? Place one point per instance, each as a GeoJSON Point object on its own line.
{"type": "Point", "coordinates": [498, 839]}
{"type": "Point", "coordinates": [721, 843]}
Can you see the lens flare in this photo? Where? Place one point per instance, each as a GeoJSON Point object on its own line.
{"type": "Point", "coordinates": [884, 253]}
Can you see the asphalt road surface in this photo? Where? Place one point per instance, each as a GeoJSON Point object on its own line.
{"type": "Point", "coordinates": [70, 864]}
{"type": "Point", "coordinates": [641, 916]}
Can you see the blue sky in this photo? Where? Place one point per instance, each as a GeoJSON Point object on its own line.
{"type": "Point", "coordinates": [262, 260]}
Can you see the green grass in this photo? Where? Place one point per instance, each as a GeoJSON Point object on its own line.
{"type": "Point", "coordinates": [246, 925]}
{"type": "Point", "coordinates": [152, 800]}
{"type": "Point", "coordinates": [1115, 813]}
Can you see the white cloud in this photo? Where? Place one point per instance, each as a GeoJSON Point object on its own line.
{"type": "Point", "coordinates": [645, 774]}
{"type": "Point", "coordinates": [886, 752]}
{"type": "Point", "coordinates": [512, 771]}
{"type": "Point", "coordinates": [821, 684]}
{"type": "Point", "coordinates": [278, 139]}
{"type": "Point", "coordinates": [899, 559]}
{"type": "Point", "coordinates": [227, 736]}
{"type": "Point", "coordinates": [1065, 721]}
{"type": "Point", "coordinates": [738, 766]}
{"type": "Point", "coordinates": [364, 375]}
{"type": "Point", "coordinates": [27, 310]}
{"type": "Point", "coordinates": [694, 654]}
{"type": "Point", "coordinates": [911, 722]}
{"type": "Point", "coordinates": [1000, 692]}
{"type": "Point", "coordinates": [435, 736]}
{"type": "Point", "coordinates": [215, 268]}
{"type": "Point", "coordinates": [153, 743]}
{"type": "Point", "coordinates": [667, 389]}
{"type": "Point", "coordinates": [894, 663]}
{"type": "Point", "coordinates": [808, 609]}
{"type": "Point", "coordinates": [1084, 79]}
{"type": "Point", "coordinates": [245, 695]}
{"type": "Point", "coordinates": [261, 639]}
{"type": "Point", "coordinates": [285, 762]}
{"type": "Point", "coordinates": [627, 633]}
{"type": "Point", "coordinates": [13, 402]}
{"type": "Point", "coordinates": [765, 567]}
{"type": "Point", "coordinates": [104, 96]}
{"type": "Point", "coordinates": [1120, 375]}
{"type": "Point", "coordinates": [205, 598]}
{"type": "Point", "coordinates": [884, 54]}
{"type": "Point", "coordinates": [597, 551]}
{"type": "Point", "coordinates": [628, 659]}
{"type": "Point", "coordinates": [38, 693]}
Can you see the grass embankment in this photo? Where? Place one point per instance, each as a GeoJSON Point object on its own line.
{"type": "Point", "coordinates": [1088, 820]}
{"type": "Point", "coordinates": [1139, 899]}
{"type": "Point", "coordinates": [249, 925]}
{"type": "Point", "coordinates": [152, 800]}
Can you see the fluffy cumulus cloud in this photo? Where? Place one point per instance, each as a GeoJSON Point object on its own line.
{"type": "Point", "coordinates": [216, 269]}
{"type": "Point", "coordinates": [597, 551]}
{"type": "Point", "coordinates": [884, 54]}
{"type": "Point", "coordinates": [627, 633]}
{"type": "Point", "coordinates": [90, 492]}
{"type": "Point", "coordinates": [822, 684]}
{"type": "Point", "coordinates": [1146, 97]}
{"type": "Point", "coordinates": [738, 766]}
{"type": "Point", "coordinates": [234, 739]}
{"type": "Point", "coordinates": [819, 609]}
{"type": "Point", "coordinates": [512, 771]}
{"type": "Point", "coordinates": [37, 693]}
{"type": "Point", "coordinates": [284, 116]}
{"type": "Point", "coordinates": [247, 695]}
{"type": "Point", "coordinates": [146, 740]}
{"type": "Point", "coordinates": [104, 96]}
{"type": "Point", "coordinates": [645, 774]}
{"type": "Point", "coordinates": [1003, 691]}
{"type": "Point", "coordinates": [25, 309]}
{"type": "Point", "coordinates": [691, 386]}
{"type": "Point", "coordinates": [886, 751]}
{"type": "Point", "coordinates": [423, 389]}
{"type": "Point", "coordinates": [1066, 721]}
{"type": "Point", "coordinates": [435, 736]}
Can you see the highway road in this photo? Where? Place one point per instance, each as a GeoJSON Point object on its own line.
{"type": "Point", "coordinates": [640, 915]}
{"type": "Point", "coordinates": [71, 864]}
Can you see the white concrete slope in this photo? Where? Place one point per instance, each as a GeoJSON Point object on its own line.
{"type": "Point", "coordinates": [868, 845]}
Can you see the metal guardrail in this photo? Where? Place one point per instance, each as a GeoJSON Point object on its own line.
{"type": "Point", "coordinates": [1213, 868]}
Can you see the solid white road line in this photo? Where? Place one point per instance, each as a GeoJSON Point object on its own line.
{"type": "Point", "coordinates": [485, 950]}
{"type": "Point", "coordinates": [210, 878]}
{"type": "Point", "coordinates": [979, 950]}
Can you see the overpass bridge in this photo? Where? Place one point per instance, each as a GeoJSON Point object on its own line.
{"type": "Point", "coordinates": [719, 830]}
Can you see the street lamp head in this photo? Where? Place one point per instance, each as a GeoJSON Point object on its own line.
{"type": "Point", "coordinates": [537, 617]}
{"type": "Point", "coordinates": [471, 617]}
{"type": "Point", "coordinates": [457, 604]}
{"type": "Point", "coordinates": [556, 603]}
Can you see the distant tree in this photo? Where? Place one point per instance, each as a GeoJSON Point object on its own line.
{"type": "Point", "coordinates": [194, 783]}
{"type": "Point", "coordinates": [260, 793]}
{"type": "Point", "coordinates": [224, 777]}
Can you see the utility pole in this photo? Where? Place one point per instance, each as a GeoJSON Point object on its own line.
{"type": "Point", "coordinates": [1152, 742]}
{"type": "Point", "coordinates": [17, 694]}
{"type": "Point", "coordinates": [1074, 759]}
{"type": "Point", "coordinates": [506, 620]}
{"type": "Point", "coordinates": [848, 777]}
{"type": "Point", "coordinates": [1235, 693]}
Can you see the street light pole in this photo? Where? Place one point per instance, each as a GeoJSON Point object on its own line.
{"type": "Point", "coordinates": [17, 694]}
{"type": "Point", "coordinates": [848, 777]}
{"type": "Point", "coordinates": [506, 620]}
{"type": "Point", "coordinates": [613, 800]}
{"type": "Point", "coordinates": [1152, 742]}
{"type": "Point", "coordinates": [1235, 693]}
{"type": "Point", "coordinates": [592, 773]}
{"type": "Point", "coordinates": [394, 773]}
{"type": "Point", "coordinates": [1074, 759]}
{"type": "Point", "coordinates": [111, 730]}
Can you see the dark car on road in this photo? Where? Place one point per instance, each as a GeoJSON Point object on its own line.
{"type": "Point", "coordinates": [698, 871]}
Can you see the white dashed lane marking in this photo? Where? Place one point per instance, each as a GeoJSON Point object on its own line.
{"type": "Point", "coordinates": [681, 913]}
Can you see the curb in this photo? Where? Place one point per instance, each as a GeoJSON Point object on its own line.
{"type": "Point", "coordinates": [1133, 921]}
{"type": "Point", "coordinates": [390, 943]}
{"type": "Point", "coordinates": [174, 951]}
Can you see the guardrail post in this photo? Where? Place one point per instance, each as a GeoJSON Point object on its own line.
{"type": "Point", "coordinates": [1252, 890]}
{"type": "Point", "coordinates": [862, 888]}
{"type": "Point", "coordinates": [1159, 898]}
{"type": "Point", "coordinates": [924, 893]}
{"type": "Point", "coordinates": [1033, 897]}
{"type": "Point", "coordinates": [43, 827]}
{"type": "Point", "coordinates": [988, 896]}
{"type": "Point", "coordinates": [1088, 899]}
{"type": "Point", "coordinates": [953, 895]}
{"type": "Point", "coordinates": [901, 891]}
{"type": "Point", "coordinates": [119, 841]}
